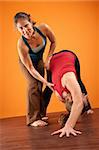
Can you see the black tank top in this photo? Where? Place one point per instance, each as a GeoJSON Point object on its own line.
{"type": "Point", "coordinates": [36, 56]}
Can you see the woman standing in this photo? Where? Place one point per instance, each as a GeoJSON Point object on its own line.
{"type": "Point", "coordinates": [31, 46]}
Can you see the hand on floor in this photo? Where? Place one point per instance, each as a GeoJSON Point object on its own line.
{"type": "Point", "coordinates": [67, 130]}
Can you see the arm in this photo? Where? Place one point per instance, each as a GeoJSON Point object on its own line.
{"type": "Point", "coordinates": [25, 58]}
{"type": "Point", "coordinates": [77, 106]}
{"type": "Point", "coordinates": [51, 37]}
{"type": "Point", "coordinates": [69, 80]}
{"type": "Point", "coordinates": [49, 33]}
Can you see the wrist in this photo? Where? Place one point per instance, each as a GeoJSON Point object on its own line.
{"type": "Point", "coordinates": [50, 56]}
{"type": "Point", "coordinates": [45, 82]}
{"type": "Point", "coordinates": [68, 124]}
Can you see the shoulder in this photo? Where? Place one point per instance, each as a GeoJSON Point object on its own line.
{"type": "Point", "coordinates": [44, 27]}
{"type": "Point", "coordinates": [21, 46]}
{"type": "Point", "coordinates": [20, 42]}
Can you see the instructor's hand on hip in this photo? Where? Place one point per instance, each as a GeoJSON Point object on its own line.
{"type": "Point", "coordinates": [50, 85]}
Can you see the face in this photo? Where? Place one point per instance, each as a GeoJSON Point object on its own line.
{"type": "Point", "coordinates": [67, 96]}
{"type": "Point", "coordinates": [25, 28]}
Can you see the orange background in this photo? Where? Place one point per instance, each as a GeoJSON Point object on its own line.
{"type": "Point", "coordinates": [76, 26]}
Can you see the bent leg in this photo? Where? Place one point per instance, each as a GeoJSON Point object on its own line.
{"type": "Point", "coordinates": [47, 91]}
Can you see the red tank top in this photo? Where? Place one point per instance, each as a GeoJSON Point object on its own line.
{"type": "Point", "coordinates": [60, 64]}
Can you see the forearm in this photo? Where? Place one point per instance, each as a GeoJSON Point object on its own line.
{"type": "Point", "coordinates": [75, 113]}
{"type": "Point", "coordinates": [51, 50]}
{"type": "Point", "coordinates": [36, 75]}
{"type": "Point", "coordinates": [28, 64]}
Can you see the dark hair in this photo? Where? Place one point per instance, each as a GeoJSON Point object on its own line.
{"type": "Point", "coordinates": [24, 16]}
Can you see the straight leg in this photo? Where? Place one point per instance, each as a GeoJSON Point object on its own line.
{"type": "Point", "coordinates": [87, 105]}
{"type": "Point", "coordinates": [33, 96]}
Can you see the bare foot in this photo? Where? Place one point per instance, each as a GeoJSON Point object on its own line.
{"type": "Point", "coordinates": [39, 123]}
{"type": "Point", "coordinates": [45, 118]}
{"type": "Point", "coordinates": [90, 111]}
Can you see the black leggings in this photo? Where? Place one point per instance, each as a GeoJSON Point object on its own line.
{"type": "Point", "coordinates": [83, 89]}
{"type": "Point", "coordinates": [77, 67]}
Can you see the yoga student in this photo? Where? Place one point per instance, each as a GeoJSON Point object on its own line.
{"type": "Point", "coordinates": [69, 88]}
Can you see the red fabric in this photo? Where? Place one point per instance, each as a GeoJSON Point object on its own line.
{"type": "Point", "coordinates": [60, 64]}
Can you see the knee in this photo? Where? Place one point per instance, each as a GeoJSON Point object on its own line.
{"type": "Point", "coordinates": [33, 89]}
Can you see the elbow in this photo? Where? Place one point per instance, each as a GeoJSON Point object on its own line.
{"type": "Point", "coordinates": [55, 44]}
{"type": "Point", "coordinates": [80, 105]}
{"type": "Point", "coordinates": [78, 100]}
{"type": "Point", "coordinates": [31, 69]}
